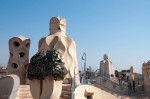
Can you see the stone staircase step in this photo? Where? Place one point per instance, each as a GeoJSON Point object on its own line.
{"type": "Point", "coordinates": [67, 96]}
{"type": "Point", "coordinates": [66, 85]}
{"type": "Point", "coordinates": [62, 98]}
{"type": "Point", "coordinates": [24, 93]}
{"type": "Point", "coordinates": [66, 93]}
{"type": "Point", "coordinates": [23, 98]}
{"type": "Point", "coordinates": [66, 89]}
{"type": "Point", "coordinates": [24, 87]}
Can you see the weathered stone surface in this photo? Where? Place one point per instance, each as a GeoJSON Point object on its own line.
{"type": "Point", "coordinates": [24, 92]}
{"type": "Point", "coordinates": [65, 45]}
{"type": "Point", "coordinates": [84, 91]}
{"type": "Point", "coordinates": [49, 88]}
{"type": "Point", "coordinates": [146, 75]}
{"type": "Point", "coordinates": [9, 86]}
{"type": "Point", "coordinates": [19, 57]}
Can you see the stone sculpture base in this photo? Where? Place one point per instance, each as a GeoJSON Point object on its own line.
{"type": "Point", "coordinates": [46, 89]}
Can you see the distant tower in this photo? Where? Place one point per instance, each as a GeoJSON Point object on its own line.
{"type": "Point", "coordinates": [106, 67]}
{"type": "Point", "coordinates": [19, 57]}
{"type": "Point", "coordinates": [146, 75]}
{"type": "Point", "coordinates": [131, 73]}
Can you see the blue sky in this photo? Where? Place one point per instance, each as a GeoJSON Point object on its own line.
{"type": "Point", "coordinates": [119, 28]}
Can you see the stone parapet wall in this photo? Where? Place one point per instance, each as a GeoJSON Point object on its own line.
{"type": "Point", "coordinates": [91, 92]}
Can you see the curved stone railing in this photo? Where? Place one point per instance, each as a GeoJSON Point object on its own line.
{"type": "Point", "coordinates": [87, 91]}
{"type": "Point", "coordinates": [9, 86]}
{"type": "Point", "coordinates": [108, 84]}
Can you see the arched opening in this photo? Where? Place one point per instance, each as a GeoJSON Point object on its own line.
{"type": "Point", "coordinates": [59, 28]}
{"type": "Point", "coordinates": [16, 44]}
{"type": "Point", "coordinates": [21, 54]}
{"type": "Point", "coordinates": [89, 97]}
{"type": "Point", "coordinates": [14, 65]}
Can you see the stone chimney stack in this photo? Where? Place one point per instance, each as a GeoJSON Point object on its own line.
{"type": "Point", "coordinates": [19, 57]}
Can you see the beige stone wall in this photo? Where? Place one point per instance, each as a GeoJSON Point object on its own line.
{"type": "Point", "coordinates": [82, 91]}
{"type": "Point", "coordinates": [19, 57]}
{"type": "Point", "coordinates": [146, 75]}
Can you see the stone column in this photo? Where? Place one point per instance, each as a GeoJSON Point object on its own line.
{"type": "Point", "coordinates": [19, 57]}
